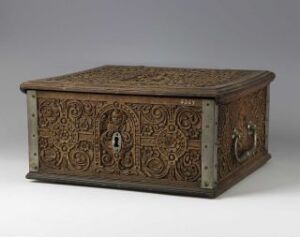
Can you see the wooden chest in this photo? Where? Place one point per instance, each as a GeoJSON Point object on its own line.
{"type": "Point", "coordinates": [172, 130]}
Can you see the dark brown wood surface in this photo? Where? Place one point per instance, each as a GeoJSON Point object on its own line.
{"type": "Point", "coordinates": [159, 81]}
{"type": "Point", "coordinates": [161, 139]}
{"type": "Point", "coordinates": [231, 180]}
{"type": "Point", "coordinates": [157, 116]}
{"type": "Point", "coordinates": [237, 115]}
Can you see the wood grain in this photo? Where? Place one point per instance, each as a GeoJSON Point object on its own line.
{"type": "Point", "coordinates": [237, 115]}
{"type": "Point", "coordinates": [157, 116]}
{"type": "Point", "coordinates": [160, 138]}
{"type": "Point", "coordinates": [154, 81]}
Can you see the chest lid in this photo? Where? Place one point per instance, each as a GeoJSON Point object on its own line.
{"type": "Point", "coordinates": [160, 81]}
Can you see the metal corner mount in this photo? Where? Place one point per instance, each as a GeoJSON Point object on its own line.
{"type": "Point", "coordinates": [32, 130]}
{"type": "Point", "coordinates": [209, 144]}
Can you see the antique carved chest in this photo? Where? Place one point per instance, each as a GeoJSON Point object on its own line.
{"type": "Point", "coordinates": [173, 130]}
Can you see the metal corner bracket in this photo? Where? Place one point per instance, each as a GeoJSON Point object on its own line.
{"type": "Point", "coordinates": [32, 117]}
{"type": "Point", "coordinates": [209, 138]}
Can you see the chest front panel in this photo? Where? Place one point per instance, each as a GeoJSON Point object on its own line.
{"type": "Point", "coordinates": [135, 138]}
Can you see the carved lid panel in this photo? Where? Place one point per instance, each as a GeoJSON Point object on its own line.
{"type": "Point", "coordinates": [143, 80]}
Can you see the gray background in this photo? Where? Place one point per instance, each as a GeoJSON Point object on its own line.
{"type": "Point", "coordinates": [40, 38]}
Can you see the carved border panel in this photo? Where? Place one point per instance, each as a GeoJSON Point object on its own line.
{"type": "Point", "coordinates": [161, 138]}
{"type": "Point", "coordinates": [238, 114]}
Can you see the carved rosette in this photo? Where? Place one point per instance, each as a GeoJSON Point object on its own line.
{"type": "Point", "coordinates": [61, 126]}
{"type": "Point", "coordinates": [170, 141]}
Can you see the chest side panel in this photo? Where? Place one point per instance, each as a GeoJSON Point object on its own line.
{"type": "Point", "coordinates": [237, 115]}
{"type": "Point", "coordinates": [160, 138]}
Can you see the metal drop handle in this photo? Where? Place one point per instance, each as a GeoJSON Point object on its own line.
{"type": "Point", "coordinates": [236, 137]}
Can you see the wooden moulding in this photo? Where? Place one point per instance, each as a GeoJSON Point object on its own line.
{"type": "Point", "coordinates": [119, 184]}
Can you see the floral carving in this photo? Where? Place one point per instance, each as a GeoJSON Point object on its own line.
{"type": "Point", "coordinates": [171, 142]}
{"type": "Point", "coordinates": [51, 157]}
{"type": "Point", "coordinates": [79, 160]}
{"type": "Point", "coordinates": [188, 166]}
{"type": "Point", "coordinates": [237, 115]}
{"type": "Point", "coordinates": [188, 119]}
{"type": "Point", "coordinates": [151, 77]}
{"type": "Point", "coordinates": [43, 142]}
{"type": "Point", "coordinates": [84, 124]}
{"type": "Point", "coordinates": [64, 133]}
{"type": "Point", "coordinates": [75, 108]}
{"type": "Point", "coordinates": [168, 130]}
{"type": "Point", "coordinates": [49, 112]}
{"type": "Point", "coordinates": [61, 123]}
{"type": "Point", "coordinates": [147, 130]}
{"type": "Point", "coordinates": [159, 141]}
{"type": "Point", "coordinates": [153, 165]}
{"type": "Point", "coordinates": [84, 146]}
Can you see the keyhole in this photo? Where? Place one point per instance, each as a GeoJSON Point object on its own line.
{"type": "Point", "coordinates": [116, 142]}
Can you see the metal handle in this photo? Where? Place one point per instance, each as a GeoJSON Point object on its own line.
{"type": "Point", "coordinates": [236, 137]}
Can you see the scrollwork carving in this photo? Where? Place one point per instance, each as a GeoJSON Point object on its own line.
{"type": "Point", "coordinates": [79, 160]}
{"type": "Point", "coordinates": [189, 166]}
{"type": "Point", "coordinates": [74, 108]}
{"type": "Point", "coordinates": [51, 157]}
{"type": "Point", "coordinates": [237, 115]}
{"type": "Point", "coordinates": [152, 164]}
{"type": "Point", "coordinates": [151, 77]}
{"type": "Point", "coordinates": [159, 141]}
{"type": "Point", "coordinates": [61, 125]}
{"type": "Point", "coordinates": [167, 153]}
{"type": "Point", "coordinates": [188, 120]}
{"type": "Point", "coordinates": [49, 111]}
